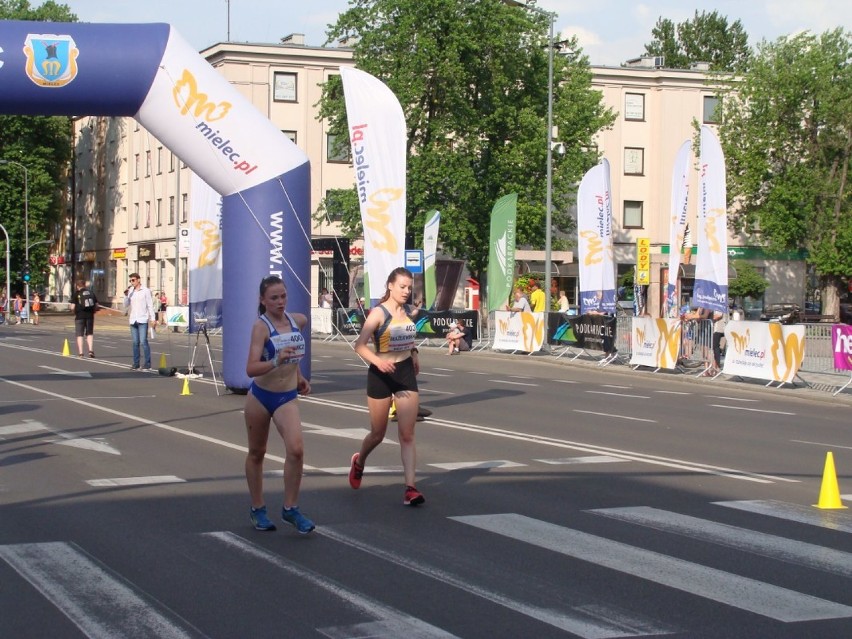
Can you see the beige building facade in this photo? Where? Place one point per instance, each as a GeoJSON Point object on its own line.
{"type": "Point", "coordinates": [132, 195]}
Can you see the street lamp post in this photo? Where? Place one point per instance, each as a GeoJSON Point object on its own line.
{"type": "Point", "coordinates": [26, 226]}
{"type": "Point", "coordinates": [549, 197]}
{"type": "Point", "coordinates": [8, 283]}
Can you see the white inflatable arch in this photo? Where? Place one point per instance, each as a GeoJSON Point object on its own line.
{"type": "Point", "coordinates": [148, 72]}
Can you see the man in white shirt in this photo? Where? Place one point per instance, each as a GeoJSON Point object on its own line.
{"type": "Point", "coordinates": [140, 314]}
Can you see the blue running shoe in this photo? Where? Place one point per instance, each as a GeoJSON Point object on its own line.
{"type": "Point", "coordinates": [259, 519]}
{"type": "Point", "coordinates": [297, 519]}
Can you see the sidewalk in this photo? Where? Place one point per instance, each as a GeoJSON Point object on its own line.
{"type": "Point", "coordinates": [812, 385]}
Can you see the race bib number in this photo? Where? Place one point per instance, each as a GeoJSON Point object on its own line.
{"type": "Point", "coordinates": [289, 340]}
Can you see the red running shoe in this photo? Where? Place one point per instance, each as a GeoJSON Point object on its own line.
{"type": "Point", "coordinates": [356, 472]}
{"type": "Point", "coordinates": [413, 497]}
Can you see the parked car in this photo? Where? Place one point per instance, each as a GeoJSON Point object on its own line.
{"type": "Point", "coordinates": [784, 313]}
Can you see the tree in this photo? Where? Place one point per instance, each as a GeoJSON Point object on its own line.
{"type": "Point", "coordinates": [471, 76]}
{"type": "Point", "coordinates": [43, 146]}
{"type": "Point", "coordinates": [747, 283]}
{"type": "Point", "coordinates": [787, 138]}
{"type": "Point", "coordinates": [707, 37]}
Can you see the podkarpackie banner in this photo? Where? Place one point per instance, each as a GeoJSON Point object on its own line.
{"type": "Point", "coordinates": [841, 346]}
{"type": "Point", "coordinates": [711, 267]}
{"type": "Point", "coordinates": [594, 241]}
{"type": "Point", "coordinates": [501, 255]}
{"type": "Point", "coordinates": [680, 201]}
{"type": "Point", "coordinates": [594, 332]}
{"type": "Point", "coordinates": [430, 249]}
{"type": "Point", "coordinates": [378, 137]}
{"type": "Point", "coordinates": [205, 255]}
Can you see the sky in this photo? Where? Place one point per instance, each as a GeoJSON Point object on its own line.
{"type": "Point", "coordinates": [610, 31]}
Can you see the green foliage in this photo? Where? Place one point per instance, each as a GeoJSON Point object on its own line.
{"type": "Point", "coordinates": [43, 146]}
{"type": "Point", "coordinates": [747, 283]}
{"type": "Point", "coordinates": [471, 76]}
{"type": "Point", "coordinates": [707, 37]}
{"type": "Point", "coordinates": [787, 138]}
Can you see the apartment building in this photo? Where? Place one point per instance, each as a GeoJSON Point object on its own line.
{"type": "Point", "coordinates": [132, 195]}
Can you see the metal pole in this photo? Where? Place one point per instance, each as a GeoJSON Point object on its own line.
{"type": "Point", "coordinates": [8, 282]}
{"type": "Point", "coordinates": [547, 230]}
{"type": "Point", "coordinates": [27, 237]}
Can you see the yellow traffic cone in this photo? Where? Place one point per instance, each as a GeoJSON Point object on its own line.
{"type": "Point", "coordinates": [163, 360]}
{"type": "Point", "coordinates": [65, 350]}
{"type": "Point", "coordinates": [392, 412]}
{"type": "Point", "coordinates": [829, 493]}
{"type": "Point", "coordinates": [185, 390]}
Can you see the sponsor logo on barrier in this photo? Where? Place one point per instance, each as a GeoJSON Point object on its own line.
{"type": "Point", "coordinates": [191, 101]}
{"type": "Point", "coordinates": [51, 59]}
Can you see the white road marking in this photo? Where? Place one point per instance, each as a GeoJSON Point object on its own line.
{"type": "Point", "coordinates": [149, 422]}
{"type": "Point", "coordinates": [85, 444]}
{"type": "Point", "coordinates": [839, 520]}
{"type": "Point", "coordinates": [753, 410]}
{"type": "Point", "coordinates": [428, 374]}
{"type": "Point", "coordinates": [26, 426]}
{"type": "Point", "coordinates": [614, 386]}
{"type": "Point", "coordinates": [370, 470]}
{"type": "Point", "coordinates": [670, 392]}
{"type": "Point", "coordinates": [135, 481]}
{"type": "Point", "coordinates": [389, 623]}
{"type": "Point", "coordinates": [716, 585]}
{"type": "Point", "coordinates": [60, 371]}
{"type": "Point", "coordinates": [102, 609]}
{"type": "Point", "coordinates": [802, 441]}
{"type": "Point", "coordinates": [733, 399]}
{"type": "Point", "coordinates": [594, 392]}
{"type": "Point", "coordinates": [346, 433]}
{"type": "Point", "coordinates": [633, 419]}
{"type": "Point", "coordinates": [593, 459]}
{"type": "Point", "coordinates": [565, 381]}
{"type": "Point", "coordinates": [506, 381]}
{"type": "Point", "coordinates": [763, 544]}
{"type": "Point", "coordinates": [577, 621]}
{"type": "Point", "coordinates": [495, 463]}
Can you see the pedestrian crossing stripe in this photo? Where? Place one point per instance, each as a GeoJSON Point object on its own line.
{"type": "Point", "coordinates": [744, 593]}
{"type": "Point", "coordinates": [831, 519]}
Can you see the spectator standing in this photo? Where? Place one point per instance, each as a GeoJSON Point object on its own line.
{"type": "Point", "coordinates": [83, 305]}
{"type": "Point", "coordinates": [36, 307]}
{"type": "Point", "coordinates": [720, 320]}
{"type": "Point", "coordinates": [326, 299]}
{"type": "Point", "coordinates": [163, 302]}
{"type": "Point", "coordinates": [18, 307]}
{"type": "Point", "coordinates": [391, 377]}
{"type": "Point", "coordinates": [520, 305]}
{"type": "Point", "coordinates": [140, 315]}
{"type": "Point", "coordinates": [537, 297]}
{"type": "Point", "coordinates": [563, 302]}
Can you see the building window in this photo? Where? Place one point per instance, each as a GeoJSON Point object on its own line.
{"type": "Point", "coordinates": [634, 106]}
{"type": "Point", "coordinates": [291, 135]}
{"type": "Point", "coordinates": [333, 210]}
{"type": "Point", "coordinates": [183, 207]}
{"type": "Point", "coordinates": [159, 160]}
{"type": "Point", "coordinates": [711, 110]}
{"type": "Point", "coordinates": [136, 214]}
{"type": "Point", "coordinates": [285, 87]}
{"type": "Point", "coordinates": [171, 209]}
{"type": "Point", "coordinates": [137, 167]}
{"type": "Point", "coordinates": [171, 162]}
{"type": "Point", "coordinates": [147, 214]}
{"type": "Point", "coordinates": [634, 160]}
{"type": "Point", "coordinates": [337, 149]}
{"type": "Point", "coordinates": [147, 163]}
{"type": "Point", "coordinates": [159, 211]}
{"type": "Point", "coordinates": [632, 214]}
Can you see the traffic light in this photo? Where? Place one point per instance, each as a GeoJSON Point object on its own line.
{"type": "Point", "coordinates": [25, 271]}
